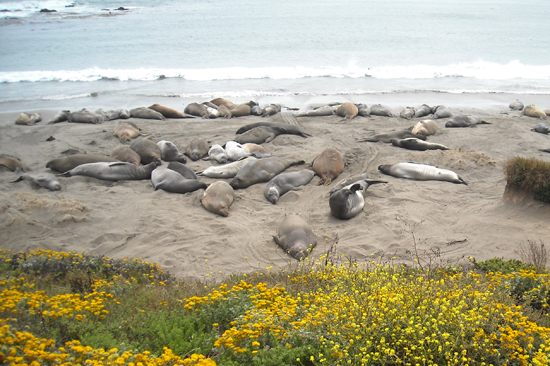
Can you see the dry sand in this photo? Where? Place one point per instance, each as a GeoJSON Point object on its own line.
{"type": "Point", "coordinates": [130, 219]}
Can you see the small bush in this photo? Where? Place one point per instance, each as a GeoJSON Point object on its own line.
{"type": "Point", "coordinates": [529, 174]}
{"type": "Point", "coordinates": [502, 266]}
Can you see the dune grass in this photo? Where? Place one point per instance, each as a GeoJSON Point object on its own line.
{"type": "Point", "coordinates": [529, 174]}
{"type": "Point", "coordinates": [65, 308]}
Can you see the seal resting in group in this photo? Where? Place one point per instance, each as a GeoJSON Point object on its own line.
{"type": "Point", "coordinates": [127, 131]}
{"type": "Point", "coordinates": [413, 143]}
{"type": "Point", "coordinates": [269, 110]}
{"type": "Point", "coordinates": [348, 201]}
{"type": "Point", "coordinates": [85, 116]}
{"type": "Point", "coordinates": [218, 198]}
{"type": "Point", "coordinates": [425, 128]}
{"type": "Point", "coordinates": [319, 112]}
{"type": "Point", "coordinates": [328, 165]}
{"type": "Point", "coordinates": [114, 171]}
{"type": "Point", "coordinates": [45, 180]}
{"type": "Point", "coordinates": [182, 169]}
{"type": "Point", "coordinates": [197, 149]}
{"type": "Point", "coordinates": [516, 105]}
{"type": "Point", "coordinates": [67, 163]}
{"type": "Point", "coordinates": [227, 170]}
{"type": "Point", "coordinates": [420, 172]}
{"type": "Point", "coordinates": [279, 128]}
{"type": "Point", "coordinates": [28, 119]}
{"type": "Point", "coordinates": [541, 128]}
{"type": "Point", "coordinates": [220, 101]}
{"type": "Point", "coordinates": [295, 237]}
{"type": "Point", "coordinates": [147, 150]}
{"type": "Point", "coordinates": [347, 110]}
{"type": "Point", "coordinates": [61, 116]}
{"type": "Point", "coordinates": [465, 121]}
{"type": "Point", "coordinates": [441, 111]}
{"type": "Point", "coordinates": [407, 113]}
{"type": "Point", "coordinates": [124, 153]}
{"type": "Point", "coordinates": [422, 111]}
{"type": "Point", "coordinates": [217, 153]}
{"type": "Point", "coordinates": [284, 182]}
{"type": "Point", "coordinates": [146, 113]}
{"type": "Point", "coordinates": [379, 110]}
{"type": "Point", "coordinates": [224, 112]}
{"type": "Point", "coordinates": [261, 170]}
{"type": "Point", "coordinates": [533, 111]}
{"type": "Point", "coordinates": [388, 136]}
{"type": "Point", "coordinates": [196, 109]}
{"type": "Point", "coordinates": [171, 181]}
{"type": "Point", "coordinates": [241, 110]}
{"type": "Point", "coordinates": [168, 112]}
{"type": "Point", "coordinates": [10, 162]}
{"type": "Point", "coordinates": [170, 152]}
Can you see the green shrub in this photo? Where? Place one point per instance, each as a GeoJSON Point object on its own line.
{"type": "Point", "coordinates": [529, 174]}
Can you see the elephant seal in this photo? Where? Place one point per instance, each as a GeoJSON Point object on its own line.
{"type": "Point", "coordinates": [280, 128]}
{"type": "Point", "coordinates": [173, 182]}
{"type": "Point", "coordinates": [284, 182]}
{"type": "Point", "coordinates": [182, 169]}
{"type": "Point", "coordinates": [422, 111]}
{"type": "Point", "coordinates": [533, 111]}
{"type": "Point", "coordinates": [220, 101]}
{"type": "Point", "coordinates": [261, 170]}
{"type": "Point", "coordinates": [147, 150]}
{"type": "Point", "coordinates": [295, 237]}
{"type": "Point", "coordinates": [196, 109]}
{"type": "Point", "coordinates": [10, 162]}
{"type": "Point", "coordinates": [347, 110]}
{"type": "Point", "coordinates": [319, 112]}
{"type": "Point", "coordinates": [61, 116]}
{"type": "Point", "coordinates": [169, 152]}
{"type": "Point", "coordinates": [407, 113]}
{"type": "Point", "coordinates": [362, 110]}
{"type": "Point", "coordinates": [28, 119]}
{"type": "Point", "coordinates": [349, 181]}
{"type": "Point", "coordinates": [146, 113]}
{"type": "Point", "coordinates": [67, 163]}
{"type": "Point", "coordinates": [114, 171]}
{"type": "Point", "coordinates": [257, 135]}
{"type": "Point", "coordinates": [224, 112]}
{"type": "Point", "coordinates": [420, 172]}
{"type": "Point", "coordinates": [235, 151]}
{"type": "Point", "coordinates": [123, 113]}
{"type": "Point", "coordinates": [348, 201]}
{"type": "Point", "coordinates": [127, 131]}
{"type": "Point", "coordinates": [425, 128]}
{"type": "Point", "coordinates": [441, 111]}
{"type": "Point", "coordinates": [516, 105]}
{"type": "Point", "coordinates": [212, 112]}
{"type": "Point", "coordinates": [541, 128]}
{"type": "Point", "coordinates": [387, 137]}
{"type": "Point", "coordinates": [211, 105]}
{"type": "Point", "coordinates": [124, 153]}
{"type": "Point", "coordinates": [465, 121]}
{"type": "Point", "coordinates": [241, 110]}
{"type": "Point", "coordinates": [256, 110]}
{"type": "Point", "coordinates": [218, 198]}
{"type": "Point", "coordinates": [45, 180]}
{"type": "Point", "coordinates": [217, 153]}
{"type": "Point", "coordinates": [328, 165]}
{"type": "Point", "coordinates": [252, 148]}
{"type": "Point", "coordinates": [197, 149]}
{"type": "Point", "coordinates": [85, 116]}
{"type": "Point", "coordinates": [413, 143]}
{"type": "Point", "coordinates": [226, 171]}
{"type": "Point", "coordinates": [270, 110]}
{"type": "Point", "coordinates": [379, 110]}
{"type": "Point", "coordinates": [168, 112]}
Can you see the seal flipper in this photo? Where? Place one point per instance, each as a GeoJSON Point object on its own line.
{"type": "Point", "coordinates": [461, 181]}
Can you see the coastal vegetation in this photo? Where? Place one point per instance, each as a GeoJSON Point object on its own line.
{"type": "Point", "coordinates": [529, 174]}
{"type": "Point", "coordinates": [65, 308]}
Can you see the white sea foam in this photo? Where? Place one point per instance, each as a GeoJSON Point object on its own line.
{"type": "Point", "coordinates": [23, 9]}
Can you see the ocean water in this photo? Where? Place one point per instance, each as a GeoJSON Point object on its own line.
{"type": "Point", "coordinates": [244, 49]}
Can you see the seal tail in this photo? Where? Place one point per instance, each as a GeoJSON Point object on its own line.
{"type": "Point", "coordinates": [461, 181]}
{"type": "Point", "coordinates": [544, 150]}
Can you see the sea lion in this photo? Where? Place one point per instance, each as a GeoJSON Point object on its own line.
{"type": "Point", "coordinates": [328, 165]}
{"type": "Point", "coordinates": [413, 143]}
{"type": "Point", "coordinates": [218, 198]}
{"type": "Point", "coordinates": [227, 170]}
{"type": "Point", "coordinates": [235, 151]}
{"type": "Point", "coordinates": [284, 182]}
{"type": "Point", "coordinates": [319, 112]}
{"type": "Point", "coordinates": [171, 181]}
{"type": "Point", "coordinates": [465, 121]}
{"type": "Point", "coordinates": [441, 111]}
{"type": "Point", "coordinates": [280, 128]}
{"type": "Point", "coordinates": [169, 152]}
{"type": "Point", "coordinates": [271, 110]}
{"type": "Point", "coordinates": [347, 110]}
{"type": "Point", "coordinates": [295, 237]}
{"type": "Point", "coordinates": [262, 170]}
{"type": "Point", "coordinates": [379, 110]}
{"type": "Point", "coordinates": [252, 148]}
{"type": "Point", "coordinates": [66, 163]}
{"type": "Point", "coordinates": [362, 110]}
{"type": "Point", "coordinates": [420, 172]}
{"type": "Point", "coordinates": [127, 131]}
{"type": "Point", "coordinates": [114, 171]}
{"type": "Point", "coordinates": [197, 149]}
{"type": "Point", "coordinates": [516, 105]}
{"type": "Point", "coordinates": [257, 135]}
{"type": "Point", "coordinates": [196, 109]}
{"type": "Point", "coordinates": [387, 137]}
{"type": "Point", "coordinates": [124, 153]}
{"type": "Point", "coordinates": [45, 180]}
{"type": "Point", "coordinates": [146, 113]}
{"type": "Point", "coordinates": [348, 201]}
{"type": "Point", "coordinates": [217, 153]}
{"type": "Point", "coordinates": [10, 162]}
{"type": "Point", "coordinates": [168, 112]}
{"type": "Point", "coordinates": [85, 116]}
{"type": "Point", "coordinates": [147, 150]}
{"type": "Point", "coordinates": [422, 111]}
{"type": "Point", "coordinates": [182, 169]}
{"type": "Point", "coordinates": [256, 110]}
{"type": "Point", "coordinates": [533, 111]}
{"type": "Point", "coordinates": [224, 112]}
{"type": "Point", "coordinates": [407, 113]}
{"type": "Point", "coordinates": [241, 110]}
{"type": "Point", "coordinates": [220, 101]}
{"type": "Point", "coordinates": [28, 119]}
{"type": "Point", "coordinates": [541, 128]}
{"type": "Point", "coordinates": [61, 116]}
{"type": "Point", "coordinates": [425, 127]}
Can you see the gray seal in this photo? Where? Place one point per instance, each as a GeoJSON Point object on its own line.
{"type": "Point", "coordinates": [256, 110]}
{"type": "Point", "coordinates": [124, 153]}
{"type": "Point", "coordinates": [516, 105]}
{"type": "Point", "coordinates": [270, 110]}
{"type": "Point", "coordinates": [422, 111]}
{"type": "Point", "coordinates": [257, 135]}
{"type": "Point", "coordinates": [441, 111]}
{"type": "Point", "coordinates": [173, 182]}
{"type": "Point", "coordinates": [465, 121]}
{"type": "Point", "coordinates": [45, 180]}
{"type": "Point", "coordinates": [182, 169]}
{"type": "Point", "coordinates": [295, 237]}
{"type": "Point", "coordinates": [362, 110]}
{"type": "Point", "coordinates": [420, 172]}
{"type": "Point", "coordinates": [224, 112]}
{"type": "Point", "coordinates": [61, 116]}
{"type": "Point", "coordinates": [348, 201]}
{"type": "Point", "coordinates": [67, 163]}
{"type": "Point", "coordinates": [387, 137]}
{"type": "Point", "coordinates": [147, 150]}
{"type": "Point", "coordinates": [113, 171]}
{"type": "Point", "coordinates": [218, 198]}
{"type": "Point", "coordinates": [85, 116]}
{"type": "Point", "coordinates": [262, 170]}
{"type": "Point", "coordinates": [407, 113]}
{"type": "Point", "coordinates": [146, 113]}
{"type": "Point", "coordinates": [280, 128]}
{"type": "Point", "coordinates": [541, 128]}
{"type": "Point", "coordinates": [227, 170]}
{"type": "Point", "coordinates": [379, 110]}
{"type": "Point", "coordinates": [413, 143]}
{"type": "Point", "coordinates": [170, 152]}
{"type": "Point", "coordinates": [217, 153]}
{"type": "Point", "coordinates": [284, 182]}
{"type": "Point", "coordinates": [197, 149]}
{"type": "Point", "coordinates": [28, 119]}
{"type": "Point", "coordinates": [319, 112]}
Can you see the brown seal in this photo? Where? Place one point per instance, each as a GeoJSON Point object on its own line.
{"type": "Point", "coordinates": [147, 150]}
{"type": "Point", "coordinates": [328, 165]}
{"type": "Point", "coordinates": [250, 148]}
{"type": "Point", "coordinates": [241, 110]}
{"type": "Point", "coordinates": [533, 111]}
{"type": "Point", "coordinates": [70, 162]}
{"type": "Point", "coordinates": [127, 131]}
{"type": "Point", "coordinates": [425, 127]}
{"type": "Point", "coordinates": [197, 149]}
{"type": "Point", "coordinates": [196, 109]}
{"type": "Point", "coordinates": [295, 237]}
{"type": "Point", "coordinates": [10, 162]}
{"type": "Point", "coordinates": [347, 110]}
{"type": "Point", "coordinates": [224, 112]}
{"type": "Point", "coordinates": [218, 197]}
{"type": "Point", "coordinates": [169, 112]}
{"type": "Point", "coordinates": [257, 135]}
{"type": "Point", "coordinates": [28, 119]}
{"type": "Point", "coordinates": [124, 153]}
{"type": "Point", "coordinates": [220, 101]}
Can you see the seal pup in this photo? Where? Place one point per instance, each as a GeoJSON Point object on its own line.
{"type": "Point", "coordinates": [348, 201]}
{"type": "Point", "coordinates": [114, 171]}
{"type": "Point", "coordinates": [541, 128]}
{"type": "Point", "coordinates": [280, 128]}
{"type": "Point", "coordinates": [347, 110]}
{"type": "Point", "coordinates": [170, 152]}
{"type": "Point", "coordinates": [235, 151]}
{"type": "Point", "coordinates": [227, 170]}
{"type": "Point", "coordinates": [124, 153]}
{"type": "Point", "coordinates": [465, 121]}
{"type": "Point", "coordinates": [328, 165]}
{"type": "Point", "coordinates": [270, 110]}
{"type": "Point", "coordinates": [224, 112]}
{"type": "Point", "coordinates": [319, 112]}
{"type": "Point", "coordinates": [171, 181]}
{"type": "Point", "coordinates": [168, 112]}
{"type": "Point", "coordinates": [407, 113]}
{"type": "Point", "coordinates": [127, 131]}
{"type": "Point", "coordinates": [420, 172]}
{"type": "Point", "coordinates": [85, 116]}
{"type": "Point", "coordinates": [220, 101]}
{"type": "Point", "coordinates": [284, 182]}
{"type": "Point", "coordinates": [147, 150]}
{"type": "Point", "coordinates": [66, 163]}
{"type": "Point", "coordinates": [422, 111]}
{"type": "Point", "coordinates": [257, 135]}
{"type": "Point", "coordinates": [262, 170]}
{"type": "Point", "coordinates": [196, 109]}
{"type": "Point", "coordinates": [256, 110]}
{"type": "Point", "coordinates": [362, 110]}
{"type": "Point", "coordinates": [10, 162]}
{"type": "Point", "coordinates": [146, 113]}
{"type": "Point", "coordinates": [197, 149]}
{"type": "Point", "coordinates": [252, 148]}
{"type": "Point", "coordinates": [413, 143]}
{"type": "Point", "coordinates": [61, 116]}
{"type": "Point", "coordinates": [241, 110]}
{"type": "Point", "coordinates": [533, 111]}
{"type": "Point", "coordinates": [441, 111]}
{"type": "Point", "coordinates": [379, 110]}
{"type": "Point", "coordinates": [425, 128]}
{"type": "Point", "coordinates": [217, 153]}
{"type": "Point", "coordinates": [295, 237]}
{"type": "Point", "coordinates": [45, 180]}
{"type": "Point", "coordinates": [388, 136]}
{"type": "Point", "coordinates": [516, 105]}
{"type": "Point", "coordinates": [28, 119]}
{"type": "Point", "coordinates": [212, 112]}
{"type": "Point", "coordinates": [182, 169]}
{"type": "Point", "coordinates": [218, 198]}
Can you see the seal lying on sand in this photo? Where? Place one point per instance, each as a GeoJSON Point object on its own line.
{"type": "Point", "coordinates": [328, 165]}
{"type": "Point", "coordinates": [422, 111]}
{"type": "Point", "coordinates": [425, 127]}
{"type": "Point", "coordinates": [284, 182]}
{"type": "Point", "coordinates": [533, 111]}
{"type": "Point", "coordinates": [262, 170]}
{"type": "Point", "coordinates": [227, 170]}
{"type": "Point", "coordinates": [170, 152]}
{"type": "Point", "coordinates": [420, 172]}
{"type": "Point", "coordinates": [347, 110]}
{"type": "Point", "coordinates": [387, 137]}
{"type": "Point", "coordinates": [127, 131]}
{"type": "Point", "coordinates": [61, 116]}
{"type": "Point", "coordinates": [441, 111]}
{"type": "Point", "coordinates": [114, 171]}
{"type": "Point", "coordinates": [217, 153]}
{"type": "Point", "coordinates": [379, 110]}
{"type": "Point", "coordinates": [10, 162]}
{"type": "Point", "coordinates": [197, 149]}
{"type": "Point", "coordinates": [85, 116]}
{"type": "Point", "coordinates": [319, 112]}
{"type": "Point", "coordinates": [147, 150]}
{"type": "Point", "coordinates": [45, 180]}
{"type": "Point", "coordinates": [348, 201]}
{"type": "Point", "coordinates": [465, 121]}
{"type": "Point", "coordinates": [413, 143]}
{"type": "Point", "coordinates": [257, 135]}
{"type": "Point", "coordinates": [270, 110]}
{"type": "Point", "coordinates": [280, 128]}
{"type": "Point", "coordinates": [196, 109]}
{"type": "Point", "coordinates": [235, 151]}
{"type": "Point", "coordinates": [124, 153]}
{"type": "Point", "coordinates": [407, 113]}
{"type": "Point", "coordinates": [182, 169]}
{"type": "Point", "coordinates": [146, 113]}
{"type": "Point", "coordinates": [516, 105]}
{"type": "Point", "coordinates": [168, 112]}
{"type": "Point", "coordinates": [541, 128]}
{"type": "Point", "coordinates": [218, 198]}
{"type": "Point", "coordinates": [28, 119]}
{"type": "Point", "coordinates": [220, 101]}
{"type": "Point", "coordinates": [67, 163]}
{"type": "Point", "coordinates": [173, 182]}
{"type": "Point", "coordinates": [295, 237]}
{"type": "Point", "coordinates": [241, 110]}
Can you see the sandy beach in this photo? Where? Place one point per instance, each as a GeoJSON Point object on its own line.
{"type": "Point", "coordinates": [131, 219]}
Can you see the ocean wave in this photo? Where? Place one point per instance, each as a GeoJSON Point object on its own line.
{"type": "Point", "coordinates": [23, 9]}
